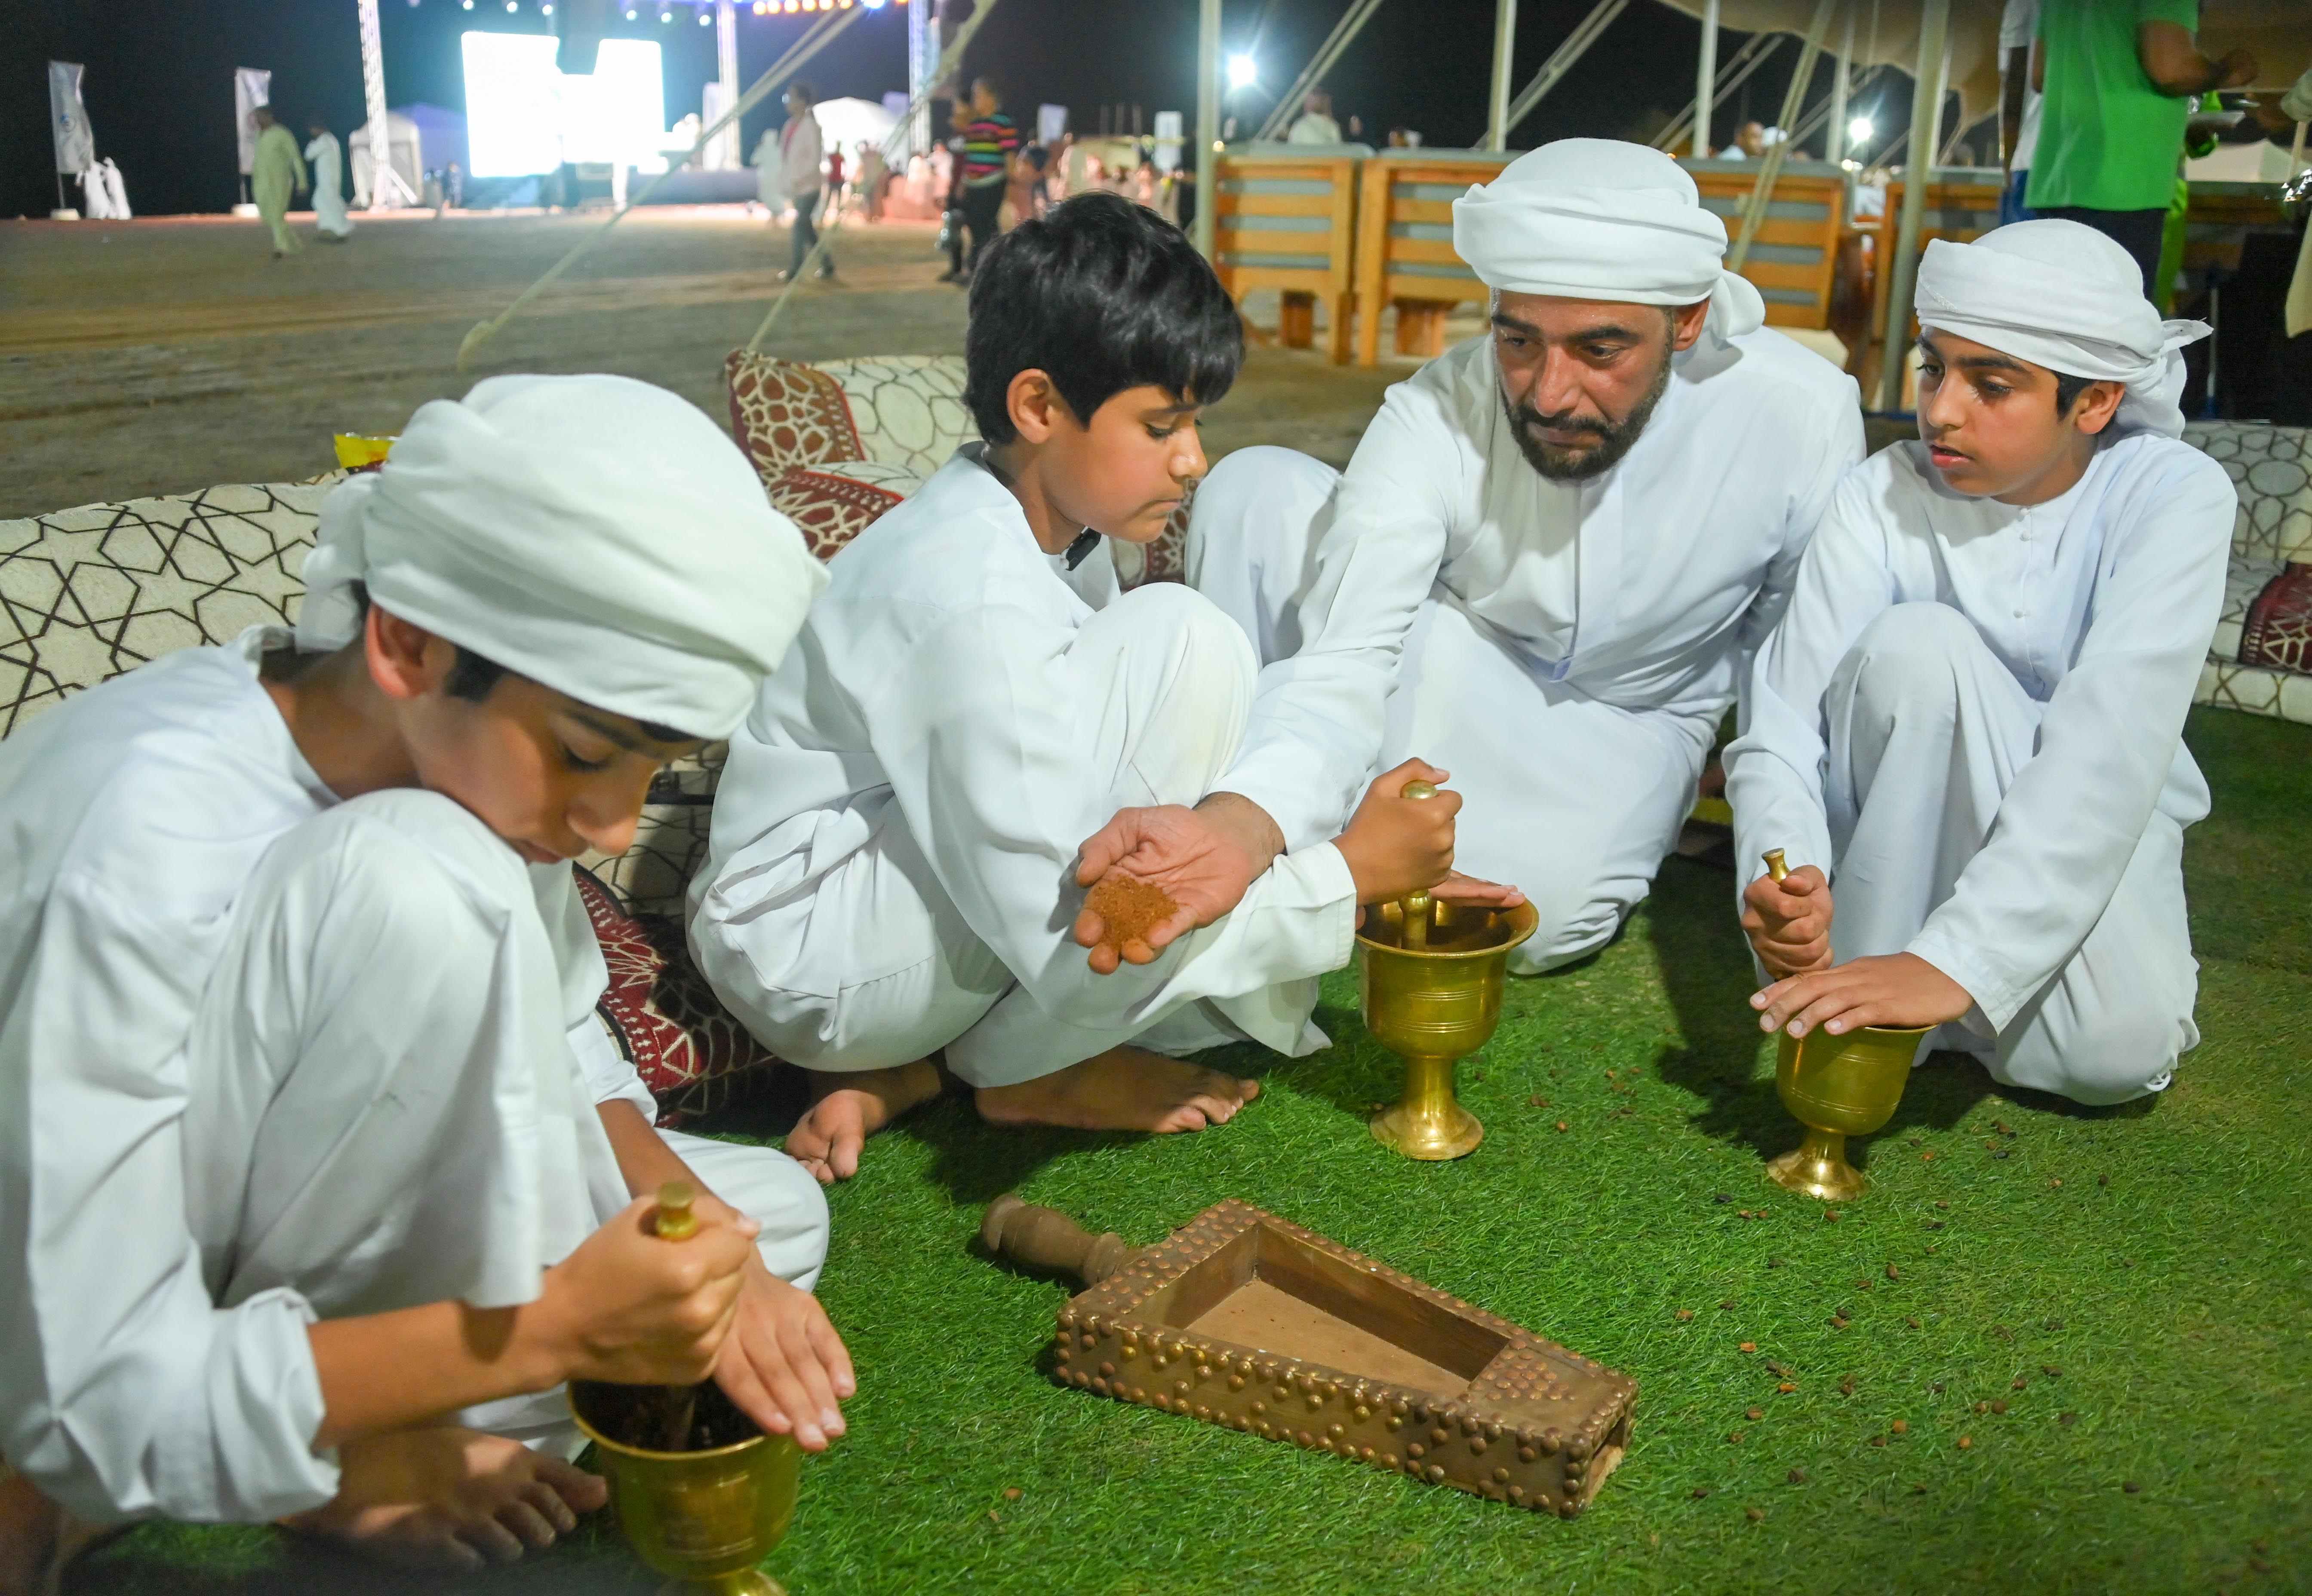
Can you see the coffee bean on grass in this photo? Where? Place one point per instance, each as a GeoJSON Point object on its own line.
{"type": "Point", "coordinates": [1011, 1493]}
{"type": "Point", "coordinates": [2129, 1486]}
{"type": "Point", "coordinates": [1912, 1322]}
{"type": "Point", "coordinates": [2051, 1371]}
{"type": "Point", "coordinates": [1561, 1124]}
{"type": "Point", "coordinates": [1965, 1442]}
{"type": "Point", "coordinates": [1983, 1407]}
{"type": "Point", "coordinates": [1846, 1386]}
{"type": "Point", "coordinates": [2021, 1383]}
{"type": "Point", "coordinates": [1920, 1489]}
{"type": "Point", "coordinates": [1537, 1100]}
{"type": "Point", "coordinates": [1786, 1387]}
{"type": "Point", "coordinates": [2067, 1419]}
{"type": "Point", "coordinates": [1893, 1273]}
{"type": "Point", "coordinates": [1937, 1388]}
{"type": "Point", "coordinates": [1750, 1346]}
{"type": "Point", "coordinates": [1701, 1491]}
{"type": "Point", "coordinates": [1798, 1477]}
{"type": "Point", "coordinates": [1755, 1514]}
{"type": "Point", "coordinates": [1878, 1440]}
{"type": "Point", "coordinates": [1684, 1314]}
{"type": "Point", "coordinates": [1998, 1407]}
{"type": "Point", "coordinates": [1755, 1413]}
{"type": "Point", "coordinates": [1900, 1427]}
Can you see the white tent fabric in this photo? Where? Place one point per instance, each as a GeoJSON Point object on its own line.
{"type": "Point", "coordinates": [846, 124]}
{"type": "Point", "coordinates": [252, 86]}
{"type": "Point", "coordinates": [407, 155]}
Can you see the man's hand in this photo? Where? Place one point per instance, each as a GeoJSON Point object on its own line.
{"type": "Point", "coordinates": [1204, 859]}
{"type": "Point", "coordinates": [1788, 921]}
{"type": "Point", "coordinates": [783, 1363]}
{"type": "Point", "coordinates": [1899, 990]}
{"type": "Point", "coordinates": [1395, 845]}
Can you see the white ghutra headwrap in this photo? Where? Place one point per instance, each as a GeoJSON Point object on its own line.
{"type": "Point", "coordinates": [2063, 296]}
{"type": "Point", "coordinates": [594, 533]}
{"type": "Point", "coordinates": [1600, 219]}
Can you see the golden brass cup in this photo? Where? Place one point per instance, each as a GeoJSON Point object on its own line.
{"type": "Point", "coordinates": [1838, 1086]}
{"type": "Point", "coordinates": [705, 1519]}
{"type": "Point", "coordinates": [1433, 998]}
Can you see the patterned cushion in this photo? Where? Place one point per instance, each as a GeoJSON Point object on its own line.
{"type": "Point", "coordinates": [690, 1053]}
{"type": "Point", "coordinates": [1166, 560]}
{"type": "Point", "coordinates": [834, 504]}
{"type": "Point", "coordinates": [2277, 632]}
{"type": "Point", "coordinates": [2272, 468]}
{"type": "Point", "coordinates": [784, 414]}
{"type": "Point", "coordinates": [100, 589]}
{"type": "Point", "coordinates": [909, 409]}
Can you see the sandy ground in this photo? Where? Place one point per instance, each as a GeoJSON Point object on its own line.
{"type": "Point", "coordinates": [166, 356]}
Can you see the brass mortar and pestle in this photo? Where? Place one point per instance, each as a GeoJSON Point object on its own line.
{"type": "Point", "coordinates": [702, 1494]}
{"type": "Point", "coordinates": [1431, 990]}
{"type": "Point", "coordinates": [1837, 1087]}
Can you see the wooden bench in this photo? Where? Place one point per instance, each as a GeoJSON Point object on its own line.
{"type": "Point", "coordinates": [1405, 245]}
{"type": "Point", "coordinates": [1793, 260]}
{"type": "Point", "coordinates": [1288, 221]}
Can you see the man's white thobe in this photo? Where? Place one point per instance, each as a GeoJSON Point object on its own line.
{"type": "Point", "coordinates": [328, 185]}
{"type": "Point", "coordinates": [264, 1057]}
{"type": "Point", "coordinates": [1971, 719]}
{"type": "Point", "coordinates": [892, 865]}
{"type": "Point", "coordinates": [1565, 649]}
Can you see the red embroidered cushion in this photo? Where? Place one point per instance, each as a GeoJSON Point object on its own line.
{"type": "Point", "coordinates": [784, 415]}
{"type": "Point", "coordinates": [832, 504]}
{"type": "Point", "coordinates": [690, 1053]}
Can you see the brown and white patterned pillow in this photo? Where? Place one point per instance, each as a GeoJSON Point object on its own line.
{"type": "Point", "coordinates": [834, 504]}
{"type": "Point", "coordinates": [784, 415]}
{"type": "Point", "coordinates": [1166, 560]}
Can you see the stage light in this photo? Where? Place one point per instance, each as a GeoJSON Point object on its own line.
{"type": "Point", "coordinates": [547, 10]}
{"type": "Point", "coordinates": [874, 5]}
{"type": "Point", "coordinates": [666, 16]}
{"type": "Point", "coordinates": [1243, 72]}
{"type": "Point", "coordinates": [704, 21]}
{"type": "Point", "coordinates": [1858, 130]}
{"type": "Point", "coordinates": [514, 5]}
{"type": "Point", "coordinates": [524, 116]}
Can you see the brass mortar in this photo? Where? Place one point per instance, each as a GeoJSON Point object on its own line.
{"type": "Point", "coordinates": [1430, 986]}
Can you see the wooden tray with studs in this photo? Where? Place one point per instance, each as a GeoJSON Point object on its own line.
{"type": "Point", "coordinates": [1252, 1323]}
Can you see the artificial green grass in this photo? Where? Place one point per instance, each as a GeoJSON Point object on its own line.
{"type": "Point", "coordinates": [2168, 1278]}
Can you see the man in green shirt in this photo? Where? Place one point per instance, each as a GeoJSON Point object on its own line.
{"type": "Point", "coordinates": [2117, 78]}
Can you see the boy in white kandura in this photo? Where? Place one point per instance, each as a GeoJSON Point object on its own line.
{"type": "Point", "coordinates": [1969, 723]}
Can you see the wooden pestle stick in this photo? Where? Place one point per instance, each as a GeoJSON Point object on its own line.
{"type": "Point", "coordinates": [1416, 907]}
{"type": "Point", "coordinates": [1775, 868]}
{"type": "Point", "coordinates": [1048, 1241]}
{"type": "Point", "coordinates": [675, 1222]}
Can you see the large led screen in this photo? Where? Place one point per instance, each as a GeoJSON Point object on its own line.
{"type": "Point", "coordinates": [524, 116]}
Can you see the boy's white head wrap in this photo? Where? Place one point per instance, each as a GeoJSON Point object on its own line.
{"type": "Point", "coordinates": [2063, 296]}
{"type": "Point", "coordinates": [594, 533]}
{"type": "Point", "coordinates": [1599, 218]}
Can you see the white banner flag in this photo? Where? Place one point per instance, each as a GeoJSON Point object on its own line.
{"type": "Point", "coordinates": [68, 118]}
{"type": "Point", "coordinates": [252, 86]}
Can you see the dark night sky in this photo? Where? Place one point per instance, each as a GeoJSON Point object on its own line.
{"type": "Point", "coordinates": [158, 85]}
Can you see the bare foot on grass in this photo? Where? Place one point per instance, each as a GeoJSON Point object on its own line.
{"type": "Point", "coordinates": [851, 1107]}
{"type": "Point", "coordinates": [1125, 1088]}
{"type": "Point", "coordinates": [441, 1497]}
{"type": "Point", "coordinates": [39, 1540]}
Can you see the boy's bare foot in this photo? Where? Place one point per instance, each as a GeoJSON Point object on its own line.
{"type": "Point", "coordinates": [39, 1540]}
{"type": "Point", "coordinates": [441, 1497]}
{"type": "Point", "coordinates": [1125, 1088]}
{"type": "Point", "coordinates": [851, 1107]}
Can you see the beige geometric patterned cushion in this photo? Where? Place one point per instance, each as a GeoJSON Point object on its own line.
{"type": "Point", "coordinates": [907, 409]}
{"type": "Point", "coordinates": [2271, 469]}
{"type": "Point", "coordinates": [88, 593]}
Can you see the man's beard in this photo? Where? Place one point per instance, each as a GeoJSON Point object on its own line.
{"type": "Point", "coordinates": [1560, 463]}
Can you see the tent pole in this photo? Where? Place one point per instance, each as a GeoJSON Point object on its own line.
{"type": "Point", "coordinates": [1497, 104]}
{"type": "Point", "coordinates": [728, 155]}
{"type": "Point", "coordinates": [385, 189]}
{"type": "Point", "coordinates": [1833, 143]}
{"type": "Point", "coordinates": [1705, 81]}
{"type": "Point", "coordinates": [1770, 170]}
{"type": "Point", "coordinates": [1208, 121]}
{"type": "Point", "coordinates": [1902, 270]}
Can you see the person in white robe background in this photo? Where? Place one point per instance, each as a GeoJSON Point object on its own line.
{"type": "Point", "coordinates": [893, 871]}
{"type": "Point", "coordinates": [317, 1168]}
{"type": "Point", "coordinates": [330, 222]}
{"type": "Point", "coordinates": [1967, 728]}
{"type": "Point", "coordinates": [276, 175]}
{"type": "Point", "coordinates": [1550, 555]}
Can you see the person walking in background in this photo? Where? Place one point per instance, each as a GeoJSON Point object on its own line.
{"type": "Point", "coordinates": [2118, 78]}
{"type": "Point", "coordinates": [1315, 123]}
{"type": "Point", "coordinates": [2019, 105]}
{"type": "Point", "coordinates": [838, 190]}
{"type": "Point", "coordinates": [276, 173]}
{"type": "Point", "coordinates": [330, 223]}
{"type": "Point", "coordinates": [874, 173]}
{"type": "Point", "coordinates": [991, 153]}
{"type": "Point", "coordinates": [802, 155]}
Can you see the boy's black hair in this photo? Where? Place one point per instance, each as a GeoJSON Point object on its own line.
{"type": "Point", "coordinates": [473, 677]}
{"type": "Point", "coordinates": [1099, 294]}
{"type": "Point", "coordinates": [2068, 390]}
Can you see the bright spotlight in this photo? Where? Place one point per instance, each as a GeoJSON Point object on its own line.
{"type": "Point", "coordinates": [547, 10]}
{"type": "Point", "coordinates": [666, 16]}
{"type": "Point", "coordinates": [874, 5]}
{"type": "Point", "coordinates": [1243, 72]}
{"type": "Point", "coordinates": [706, 21]}
{"type": "Point", "coordinates": [1858, 130]}
{"type": "Point", "coordinates": [513, 5]}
